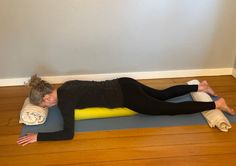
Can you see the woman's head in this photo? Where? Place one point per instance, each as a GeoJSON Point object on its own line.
{"type": "Point", "coordinates": [41, 92]}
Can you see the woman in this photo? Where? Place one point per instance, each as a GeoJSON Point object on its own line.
{"type": "Point", "coordinates": [121, 92]}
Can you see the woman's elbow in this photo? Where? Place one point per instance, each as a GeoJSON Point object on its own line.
{"type": "Point", "coordinates": [69, 135]}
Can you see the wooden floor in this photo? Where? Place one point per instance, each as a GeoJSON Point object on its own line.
{"type": "Point", "coordinates": [177, 146]}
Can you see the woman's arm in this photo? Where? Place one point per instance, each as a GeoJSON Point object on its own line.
{"type": "Point", "coordinates": [29, 138]}
{"type": "Point", "coordinates": [67, 106]}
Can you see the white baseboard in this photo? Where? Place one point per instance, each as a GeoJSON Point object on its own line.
{"type": "Point", "coordinates": [135, 75]}
{"type": "Point", "coordinates": [234, 72]}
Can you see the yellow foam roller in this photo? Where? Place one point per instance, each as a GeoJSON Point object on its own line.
{"type": "Point", "coordinates": [98, 112]}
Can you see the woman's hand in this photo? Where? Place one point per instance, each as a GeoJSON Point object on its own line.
{"type": "Point", "coordinates": [27, 139]}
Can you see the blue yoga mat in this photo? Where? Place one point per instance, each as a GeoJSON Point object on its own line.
{"type": "Point", "coordinates": [54, 121]}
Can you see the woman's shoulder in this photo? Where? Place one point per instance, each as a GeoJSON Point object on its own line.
{"type": "Point", "coordinates": [68, 84]}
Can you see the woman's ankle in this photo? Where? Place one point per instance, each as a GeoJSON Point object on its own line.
{"type": "Point", "coordinates": [221, 104]}
{"type": "Point", "coordinates": [204, 87]}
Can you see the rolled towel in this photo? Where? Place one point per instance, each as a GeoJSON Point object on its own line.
{"type": "Point", "coordinates": [32, 114]}
{"type": "Point", "coordinates": [215, 117]}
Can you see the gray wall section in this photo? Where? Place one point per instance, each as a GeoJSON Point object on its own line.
{"type": "Point", "coordinates": [63, 37]}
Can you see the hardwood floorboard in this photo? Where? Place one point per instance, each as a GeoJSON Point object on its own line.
{"type": "Point", "coordinates": [121, 142]}
{"type": "Point", "coordinates": [225, 160]}
{"type": "Point", "coordinates": [130, 153]}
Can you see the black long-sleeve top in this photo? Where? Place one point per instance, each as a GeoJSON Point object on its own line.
{"type": "Point", "coordinates": [83, 94]}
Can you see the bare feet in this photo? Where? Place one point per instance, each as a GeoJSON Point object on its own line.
{"type": "Point", "coordinates": [204, 87]}
{"type": "Point", "coordinates": [221, 104]}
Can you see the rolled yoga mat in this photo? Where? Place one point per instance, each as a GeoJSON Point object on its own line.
{"type": "Point", "coordinates": [54, 121]}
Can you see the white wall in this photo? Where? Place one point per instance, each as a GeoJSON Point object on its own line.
{"type": "Point", "coordinates": [64, 37]}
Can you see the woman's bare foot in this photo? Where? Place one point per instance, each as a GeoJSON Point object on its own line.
{"type": "Point", "coordinates": [221, 104]}
{"type": "Point", "coordinates": [204, 87]}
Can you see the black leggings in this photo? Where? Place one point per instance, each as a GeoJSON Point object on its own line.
{"type": "Point", "coordinates": [146, 100]}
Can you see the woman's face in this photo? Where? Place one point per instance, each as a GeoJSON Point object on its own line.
{"type": "Point", "coordinates": [49, 100]}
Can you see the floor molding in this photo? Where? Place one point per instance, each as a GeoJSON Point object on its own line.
{"type": "Point", "coordinates": [136, 75]}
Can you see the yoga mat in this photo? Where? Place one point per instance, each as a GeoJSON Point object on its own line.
{"type": "Point", "coordinates": [54, 121]}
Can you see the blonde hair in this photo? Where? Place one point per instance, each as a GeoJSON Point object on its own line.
{"type": "Point", "coordinates": [39, 88]}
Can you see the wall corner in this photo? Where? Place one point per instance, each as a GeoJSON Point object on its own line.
{"type": "Point", "coordinates": [234, 72]}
